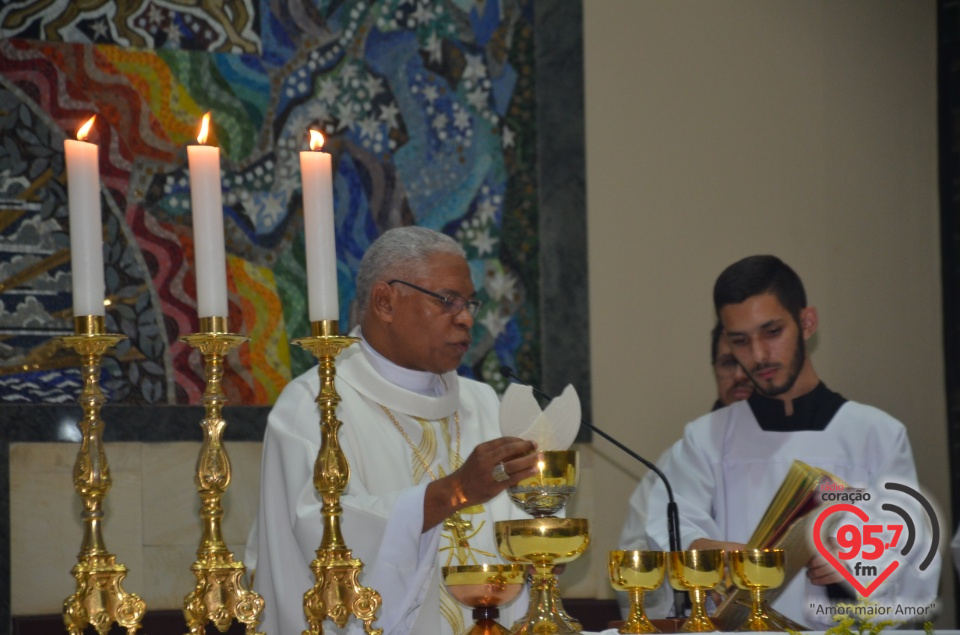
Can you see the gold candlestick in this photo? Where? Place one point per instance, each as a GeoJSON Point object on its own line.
{"type": "Point", "coordinates": [99, 599]}
{"type": "Point", "coordinates": [337, 593]}
{"type": "Point", "coordinates": [220, 596]}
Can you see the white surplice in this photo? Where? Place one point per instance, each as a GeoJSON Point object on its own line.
{"type": "Point", "coordinates": [726, 469]}
{"type": "Point", "coordinates": [383, 503]}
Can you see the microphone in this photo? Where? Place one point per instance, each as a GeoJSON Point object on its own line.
{"type": "Point", "coordinates": [673, 514]}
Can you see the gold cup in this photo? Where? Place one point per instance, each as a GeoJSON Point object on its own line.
{"type": "Point", "coordinates": [696, 571]}
{"type": "Point", "coordinates": [757, 570]}
{"type": "Point", "coordinates": [636, 572]}
{"type": "Point", "coordinates": [555, 482]}
{"type": "Point", "coordinates": [544, 543]}
{"type": "Point", "coordinates": [485, 588]}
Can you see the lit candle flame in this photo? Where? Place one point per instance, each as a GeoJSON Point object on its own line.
{"type": "Point", "coordinates": [204, 129]}
{"type": "Point", "coordinates": [316, 140]}
{"type": "Point", "coordinates": [85, 129]}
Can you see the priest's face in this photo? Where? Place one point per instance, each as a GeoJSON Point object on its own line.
{"type": "Point", "coordinates": [732, 382]}
{"type": "Point", "coordinates": [769, 343]}
{"type": "Point", "coordinates": [426, 334]}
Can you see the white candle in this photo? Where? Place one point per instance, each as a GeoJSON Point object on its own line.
{"type": "Point", "coordinates": [210, 257]}
{"type": "Point", "coordinates": [317, 178]}
{"type": "Point", "coordinates": [86, 228]}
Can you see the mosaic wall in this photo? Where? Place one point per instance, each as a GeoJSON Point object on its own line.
{"type": "Point", "coordinates": [428, 109]}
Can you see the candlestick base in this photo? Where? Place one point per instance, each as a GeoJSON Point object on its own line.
{"type": "Point", "coordinates": [220, 595]}
{"type": "Point", "coordinates": [337, 593]}
{"type": "Point", "coordinates": [99, 599]}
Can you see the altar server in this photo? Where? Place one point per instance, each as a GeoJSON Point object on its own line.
{"type": "Point", "coordinates": [733, 384]}
{"type": "Point", "coordinates": [729, 463]}
{"type": "Point", "coordinates": [428, 467]}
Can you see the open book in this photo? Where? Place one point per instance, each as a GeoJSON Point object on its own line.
{"type": "Point", "coordinates": [785, 525]}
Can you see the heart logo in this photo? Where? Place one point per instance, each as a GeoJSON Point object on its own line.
{"type": "Point", "coordinates": [862, 515]}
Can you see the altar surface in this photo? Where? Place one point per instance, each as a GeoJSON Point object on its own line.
{"type": "Point", "coordinates": [613, 631]}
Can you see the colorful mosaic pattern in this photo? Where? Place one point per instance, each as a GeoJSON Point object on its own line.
{"type": "Point", "coordinates": [428, 109]}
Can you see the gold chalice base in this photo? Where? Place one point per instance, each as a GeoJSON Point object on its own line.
{"type": "Point", "coordinates": [636, 572]}
{"type": "Point", "coordinates": [696, 571]}
{"type": "Point", "coordinates": [485, 587]}
{"type": "Point", "coordinates": [757, 570]}
{"type": "Point", "coordinates": [544, 543]}
{"type": "Point", "coordinates": [549, 491]}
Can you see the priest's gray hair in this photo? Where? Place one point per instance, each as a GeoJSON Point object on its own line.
{"type": "Point", "coordinates": [400, 253]}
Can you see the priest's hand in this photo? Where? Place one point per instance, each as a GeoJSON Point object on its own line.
{"type": "Point", "coordinates": [474, 483]}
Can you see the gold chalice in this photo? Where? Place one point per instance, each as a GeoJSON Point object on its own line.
{"type": "Point", "coordinates": [555, 482]}
{"type": "Point", "coordinates": [637, 572]}
{"type": "Point", "coordinates": [757, 570]}
{"type": "Point", "coordinates": [485, 587]}
{"type": "Point", "coordinates": [544, 495]}
{"type": "Point", "coordinates": [544, 543]}
{"type": "Point", "coordinates": [696, 571]}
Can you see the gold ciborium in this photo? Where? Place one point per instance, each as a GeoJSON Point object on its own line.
{"type": "Point", "coordinates": [636, 572]}
{"type": "Point", "coordinates": [550, 490]}
{"type": "Point", "coordinates": [485, 588]}
{"type": "Point", "coordinates": [545, 541]}
{"type": "Point", "coordinates": [757, 570]}
{"type": "Point", "coordinates": [696, 571]}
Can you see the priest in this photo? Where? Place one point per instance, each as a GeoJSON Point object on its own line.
{"type": "Point", "coordinates": [729, 463]}
{"type": "Point", "coordinates": [428, 466]}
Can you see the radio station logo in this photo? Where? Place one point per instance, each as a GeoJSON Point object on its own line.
{"type": "Point", "coordinates": [866, 540]}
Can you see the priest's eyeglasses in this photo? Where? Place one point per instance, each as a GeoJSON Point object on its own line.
{"type": "Point", "coordinates": [452, 304]}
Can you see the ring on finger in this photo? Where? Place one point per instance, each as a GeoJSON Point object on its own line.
{"type": "Point", "coordinates": [500, 473]}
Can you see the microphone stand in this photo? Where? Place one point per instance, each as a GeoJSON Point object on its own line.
{"type": "Point", "coordinates": [673, 514]}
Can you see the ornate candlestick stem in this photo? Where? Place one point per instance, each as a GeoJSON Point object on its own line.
{"type": "Point", "coordinates": [99, 599]}
{"type": "Point", "coordinates": [337, 593]}
{"type": "Point", "coordinates": [220, 596]}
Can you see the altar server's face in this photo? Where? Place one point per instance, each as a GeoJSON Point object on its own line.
{"type": "Point", "coordinates": [428, 336]}
{"type": "Point", "coordinates": [768, 342]}
{"type": "Point", "coordinates": [732, 382]}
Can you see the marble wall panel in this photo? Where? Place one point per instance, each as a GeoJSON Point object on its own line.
{"type": "Point", "coordinates": [167, 575]}
{"type": "Point", "coordinates": [151, 520]}
{"type": "Point", "coordinates": [172, 505]}
{"type": "Point", "coordinates": [47, 532]}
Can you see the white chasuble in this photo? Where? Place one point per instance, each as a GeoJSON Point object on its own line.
{"type": "Point", "coordinates": [383, 503]}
